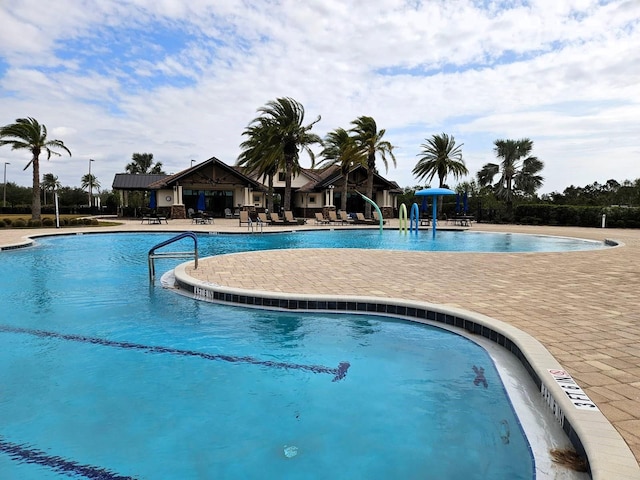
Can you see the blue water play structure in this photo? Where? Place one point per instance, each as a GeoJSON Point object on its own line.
{"type": "Point", "coordinates": [414, 218]}
{"type": "Point", "coordinates": [435, 193]}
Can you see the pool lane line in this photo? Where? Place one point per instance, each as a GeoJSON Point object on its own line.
{"type": "Point", "coordinates": [24, 453]}
{"type": "Point", "coordinates": [339, 373]}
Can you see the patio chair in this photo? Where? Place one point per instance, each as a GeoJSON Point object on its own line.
{"type": "Point", "coordinates": [262, 218]}
{"type": "Point", "coordinates": [227, 213]}
{"type": "Point", "coordinates": [289, 218]}
{"type": "Point", "coordinates": [376, 217]}
{"type": "Point", "coordinates": [333, 218]}
{"type": "Point", "coordinates": [344, 216]}
{"type": "Point", "coordinates": [320, 220]}
{"type": "Point", "coordinates": [275, 218]}
{"type": "Point", "coordinates": [244, 217]}
{"type": "Point", "coordinates": [360, 218]}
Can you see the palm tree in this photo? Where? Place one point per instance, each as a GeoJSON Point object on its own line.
{"type": "Point", "coordinates": [142, 163]}
{"type": "Point", "coordinates": [50, 183]}
{"type": "Point", "coordinates": [28, 134]}
{"type": "Point", "coordinates": [281, 136]}
{"type": "Point", "coordinates": [440, 156]}
{"type": "Point", "coordinates": [253, 156]}
{"type": "Point", "coordinates": [89, 181]}
{"type": "Point", "coordinates": [519, 170]}
{"type": "Point", "coordinates": [340, 149]}
{"type": "Point", "coordinates": [369, 141]}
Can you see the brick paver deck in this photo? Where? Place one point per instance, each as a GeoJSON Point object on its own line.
{"type": "Point", "coordinates": [583, 306]}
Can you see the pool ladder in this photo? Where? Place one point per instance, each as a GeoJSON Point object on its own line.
{"type": "Point", "coordinates": [153, 255]}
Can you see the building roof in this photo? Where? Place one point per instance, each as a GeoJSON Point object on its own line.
{"type": "Point", "coordinates": [140, 181]}
{"type": "Point", "coordinates": [170, 180]}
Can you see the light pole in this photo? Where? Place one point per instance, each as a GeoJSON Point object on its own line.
{"type": "Point", "coordinates": [192, 160]}
{"type": "Point", "coordinates": [4, 193]}
{"type": "Point", "coordinates": [90, 183]}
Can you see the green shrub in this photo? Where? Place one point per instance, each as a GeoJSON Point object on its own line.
{"type": "Point", "coordinates": [74, 221]}
{"type": "Point", "coordinates": [7, 221]}
{"type": "Point", "coordinates": [47, 222]}
{"type": "Point", "coordinates": [19, 223]}
{"type": "Point", "coordinates": [86, 221]}
{"type": "Point", "coordinates": [34, 223]}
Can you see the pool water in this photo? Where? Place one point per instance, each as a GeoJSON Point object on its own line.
{"type": "Point", "coordinates": [444, 241]}
{"type": "Point", "coordinates": [103, 376]}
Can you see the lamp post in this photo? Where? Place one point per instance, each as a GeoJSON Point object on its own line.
{"type": "Point", "coordinates": [4, 193]}
{"type": "Point", "coordinates": [192, 160]}
{"type": "Point", "coordinates": [90, 184]}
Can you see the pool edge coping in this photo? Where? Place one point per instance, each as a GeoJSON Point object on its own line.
{"type": "Point", "coordinates": [590, 432]}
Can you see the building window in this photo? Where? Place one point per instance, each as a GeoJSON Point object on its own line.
{"type": "Point", "coordinates": [312, 199]}
{"type": "Point", "coordinates": [281, 176]}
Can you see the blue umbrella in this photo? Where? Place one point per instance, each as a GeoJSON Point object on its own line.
{"type": "Point", "coordinates": [152, 200]}
{"type": "Point", "coordinates": [201, 203]}
{"type": "Point", "coordinates": [457, 203]}
{"type": "Point", "coordinates": [464, 203]}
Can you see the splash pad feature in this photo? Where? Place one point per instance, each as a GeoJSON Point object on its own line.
{"type": "Point", "coordinates": [434, 193]}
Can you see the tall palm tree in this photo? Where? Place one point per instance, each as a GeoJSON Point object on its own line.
{"type": "Point", "coordinates": [440, 156]}
{"type": "Point", "coordinates": [283, 135]}
{"type": "Point", "coordinates": [518, 170]}
{"type": "Point", "coordinates": [341, 149]}
{"type": "Point", "coordinates": [28, 134]}
{"type": "Point", "coordinates": [90, 181]}
{"type": "Point", "coordinates": [369, 141]}
{"type": "Point", "coordinates": [253, 156]}
{"type": "Point", "coordinates": [50, 183]}
{"type": "Point", "coordinates": [142, 163]}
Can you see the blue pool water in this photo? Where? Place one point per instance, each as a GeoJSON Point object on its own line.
{"type": "Point", "coordinates": [103, 376]}
{"type": "Point", "coordinates": [444, 241]}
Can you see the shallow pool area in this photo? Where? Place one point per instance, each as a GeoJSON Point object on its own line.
{"type": "Point", "coordinates": [444, 241]}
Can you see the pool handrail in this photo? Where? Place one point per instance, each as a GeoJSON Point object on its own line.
{"type": "Point", "coordinates": [152, 255]}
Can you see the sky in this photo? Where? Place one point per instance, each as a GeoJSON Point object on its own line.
{"type": "Point", "coordinates": [182, 80]}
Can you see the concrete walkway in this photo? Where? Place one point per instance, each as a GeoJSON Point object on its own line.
{"type": "Point", "coordinates": [582, 306]}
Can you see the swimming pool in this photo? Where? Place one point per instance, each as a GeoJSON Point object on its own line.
{"type": "Point", "coordinates": [104, 375]}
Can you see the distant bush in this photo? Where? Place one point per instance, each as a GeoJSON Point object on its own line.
{"type": "Point", "coordinates": [19, 223]}
{"type": "Point", "coordinates": [47, 222]}
{"type": "Point", "coordinates": [34, 223]}
{"type": "Point", "coordinates": [578, 216]}
{"type": "Point", "coordinates": [2, 224]}
{"type": "Point", "coordinates": [7, 221]}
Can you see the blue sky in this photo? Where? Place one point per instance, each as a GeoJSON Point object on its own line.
{"type": "Point", "coordinates": [182, 80]}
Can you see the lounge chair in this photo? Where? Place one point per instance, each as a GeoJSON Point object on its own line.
{"type": "Point", "coordinates": [362, 220]}
{"type": "Point", "coordinates": [275, 218]}
{"type": "Point", "coordinates": [376, 217]}
{"type": "Point", "coordinates": [320, 220]}
{"type": "Point", "coordinates": [344, 216]}
{"type": "Point", "coordinates": [244, 217]}
{"type": "Point", "coordinates": [289, 218]}
{"type": "Point", "coordinates": [333, 218]}
{"type": "Point", "coordinates": [262, 218]}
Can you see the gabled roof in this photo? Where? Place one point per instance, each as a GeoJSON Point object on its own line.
{"type": "Point", "coordinates": [169, 180]}
{"type": "Point", "coordinates": [331, 175]}
{"type": "Point", "coordinates": [141, 181]}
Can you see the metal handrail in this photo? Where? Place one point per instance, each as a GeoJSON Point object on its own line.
{"type": "Point", "coordinates": [152, 255]}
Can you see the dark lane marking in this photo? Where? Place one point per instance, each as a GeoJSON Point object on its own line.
{"type": "Point", "coordinates": [29, 455]}
{"type": "Point", "coordinates": [339, 373]}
